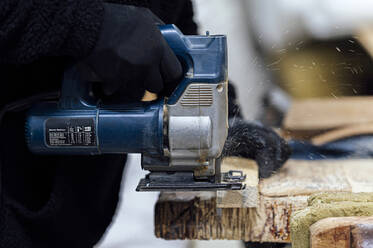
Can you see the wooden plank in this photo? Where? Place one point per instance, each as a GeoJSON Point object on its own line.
{"type": "Point", "coordinates": [247, 197]}
{"type": "Point", "coordinates": [344, 132]}
{"type": "Point", "coordinates": [365, 37]}
{"type": "Point", "coordinates": [357, 174]}
{"type": "Point", "coordinates": [327, 113]}
{"type": "Point", "coordinates": [342, 232]}
{"type": "Point", "coordinates": [302, 177]}
{"type": "Point", "coordinates": [305, 177]}
{"type": "Point", "coordinates": [195, 216]}
{"type": "Point", "coordinates": [191, 216]}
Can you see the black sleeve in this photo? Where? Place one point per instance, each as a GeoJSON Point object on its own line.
{"type": "Point", "coordinates": [233, 104]}
{"type": "Point", "coordinates": [178, 12]}
{"type": "Point", "coordinates": [33, 29]}
{"type": "Point", "coordinates": [186, 21]}
{"type": "Point", "coordinates": [53, 201]}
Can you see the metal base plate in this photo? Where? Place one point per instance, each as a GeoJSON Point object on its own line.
{"type": "Point", "coordinates": [162, 181]}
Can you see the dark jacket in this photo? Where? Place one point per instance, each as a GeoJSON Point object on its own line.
{"type": "Point", "coordinates": [55, 201]}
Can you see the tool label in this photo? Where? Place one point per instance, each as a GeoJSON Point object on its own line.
{"type": "Point", "coordinates": [70, 132]}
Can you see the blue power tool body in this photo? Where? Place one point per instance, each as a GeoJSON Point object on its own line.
{"type": "Point", "coordinates": [180, 137]}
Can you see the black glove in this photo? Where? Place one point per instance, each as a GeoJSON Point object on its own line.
{"type": "Point", "coordinates": [257, 142]}
{"type": "Point", "coordinates": [131, 55]}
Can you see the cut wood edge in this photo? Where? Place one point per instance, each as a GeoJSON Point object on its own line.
{"type": "Point", "coordinates": [246, 198]}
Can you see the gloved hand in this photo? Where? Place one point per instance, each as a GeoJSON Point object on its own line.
{"type": "Point", "coordinates": [131, 55]}
{"type": "Point", "coordinates": [256, 142]}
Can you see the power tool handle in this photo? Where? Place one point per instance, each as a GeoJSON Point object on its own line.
{"type": "Point", "coordinates": [177, 42]}
{"type": "Point", "coordinates": [75, 93]}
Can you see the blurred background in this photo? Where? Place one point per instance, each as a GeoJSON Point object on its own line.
{"type": "Point", "coordinates": [278, 51]}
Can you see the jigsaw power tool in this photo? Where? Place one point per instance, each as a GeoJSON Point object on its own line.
{"type": "Point", "coordinates": [180, 137]}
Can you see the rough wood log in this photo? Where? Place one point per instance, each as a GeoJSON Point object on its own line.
{"type": "Point", "coordinates": [330, 233]}
{"type": "Point", "coordinates": [195, 216]}
{"type": "Point", "coordinates": [191, 216]}
{"type": "Point", "coordinates": [342, 232]}
{"type": "Point", "coordinates": [325, 205]}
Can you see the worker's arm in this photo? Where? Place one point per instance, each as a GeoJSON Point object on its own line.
{"type": "Point", "coordinates": [30, 30]}
{"type": "Point", "coordinates": [121, 44]}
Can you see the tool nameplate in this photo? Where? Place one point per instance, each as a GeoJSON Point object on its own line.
{"type": "Point", "coordinates": [70, 132]}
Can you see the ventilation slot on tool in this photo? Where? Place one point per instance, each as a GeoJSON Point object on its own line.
{"type": "Point", "coordinates": [198, 95]}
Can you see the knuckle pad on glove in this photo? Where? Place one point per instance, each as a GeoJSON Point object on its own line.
{"type": "Point", "coordinates": [153, 81]}
{"type": "Point", "coordinates": [171, 68]}
{"type": "Point", "coordinates": [129, 44]}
